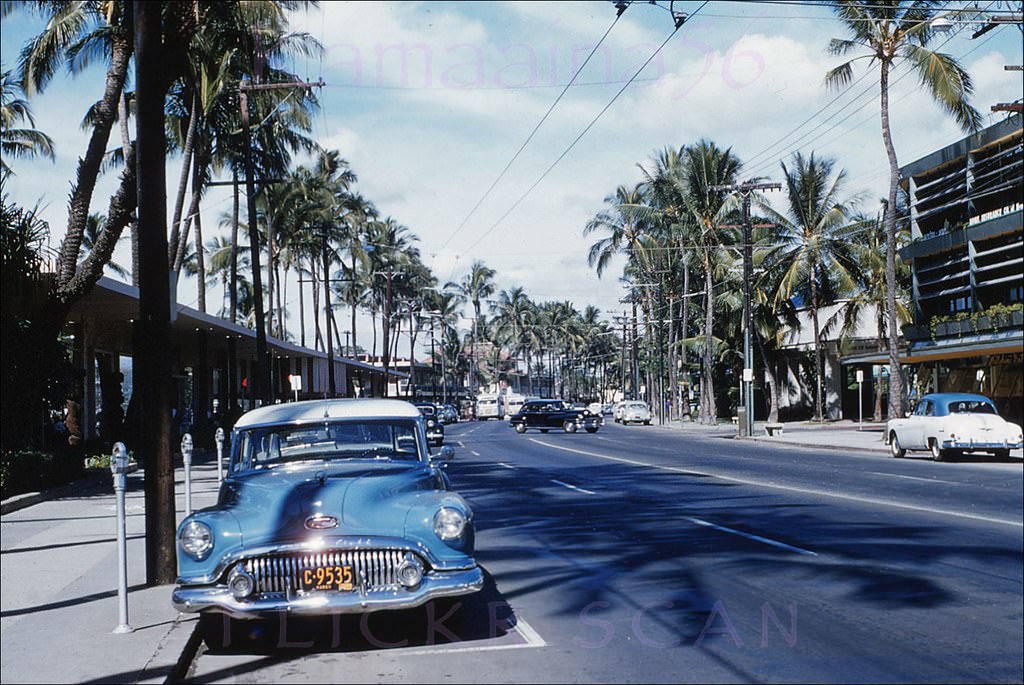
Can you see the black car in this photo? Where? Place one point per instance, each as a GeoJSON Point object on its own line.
{"type": "Point", "coordinates": [435, 427]}
{"type": "Point", "coordinates": [547, 414]}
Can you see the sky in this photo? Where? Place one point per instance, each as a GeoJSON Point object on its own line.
{"type": "Point", "coordinates": [429, 101]}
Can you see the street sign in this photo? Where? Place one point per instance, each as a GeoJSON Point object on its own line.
{"type": "Point", "coordinates": [748, 375]}
{"type": "Point", "coordinates": [296, 381]}
{"type": "Point", "coordinates": [860, 375]}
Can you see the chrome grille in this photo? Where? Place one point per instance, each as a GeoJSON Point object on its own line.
{"type": "Point", "coordinates": [280, 573]}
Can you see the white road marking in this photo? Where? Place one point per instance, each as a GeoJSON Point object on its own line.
{"type": "Point", "coordinates": [474, 453]}
{"type": "Point", "coordinates": [751, 536]}
{"type": "Point", "coordinates": [926, 480]}
{"type": "Point", "coordinates": [573, 487]}
{"type": "Point", "coordinates": [790, 488]}
{"type": "Point", "coordinates": [507, 466]}
{"type": "Point", "coordinates": [532, 638]}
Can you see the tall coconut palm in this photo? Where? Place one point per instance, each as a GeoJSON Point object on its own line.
{"type": "Point", "coordinates": [704, 167]}
{"type": "Point", "coordinates": [891, 33]}
{"type": "Point", "coordinates": [813, 256]}
{"type": "Point", "coordinates": [513, 315]}
{"type": "Point", "coordinates": [17, 142]}
{"type": "Point", "coordinates": [475, 286]}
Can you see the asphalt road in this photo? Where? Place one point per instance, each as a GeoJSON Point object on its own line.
{"type": "Point", "coordinates": [642, 554]}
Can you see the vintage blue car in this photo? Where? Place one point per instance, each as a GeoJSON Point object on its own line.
{"type": "Point", "coordinates": [329, 506]}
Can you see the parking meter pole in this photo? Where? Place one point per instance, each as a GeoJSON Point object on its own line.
{"type": "Point", "coordinates": [186, 457]}
{"type": "Point", "coordinates": [219, 439]}
{"type": "Point", "coordinates": [119, 468]}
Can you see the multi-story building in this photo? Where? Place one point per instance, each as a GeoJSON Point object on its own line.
{"type": "Point", "coordinates": [967, 261]}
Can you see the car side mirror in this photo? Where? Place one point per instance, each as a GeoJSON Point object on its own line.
{"type": "Point", "coordinates": [446, 454]}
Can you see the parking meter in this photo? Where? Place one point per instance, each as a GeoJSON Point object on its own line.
{"type": "Point", "coordinates": [218, 437]}
{"type": "Point", "coordinates": [119, 469]}
{"type": "Point", "coordinates": [186, 457]}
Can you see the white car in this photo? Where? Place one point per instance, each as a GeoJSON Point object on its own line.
{"type": "Point", "coordinates": [948, 424]}
{"type": "Point", "coordinates": [636, 412]}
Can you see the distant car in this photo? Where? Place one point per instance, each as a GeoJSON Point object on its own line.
{"type": "Point", "coordinates": [636, 411]}
{"type": "Point", "coordinates": [543, 415]}
{"type": "Point", "coordinates": [435, 427]}
{"type": "Point", "coordinates": [449, 413]}
{"type": "Point", "coordinates": [949, 424]}
{"type": "Point", "coordinates": [597, 409]}
{"type": "Point", "coordinates": [617, 410]}
{"type": "Point", "coordinates": [329, 506]}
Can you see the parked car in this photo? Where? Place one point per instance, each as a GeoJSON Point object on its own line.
{"type": "Point", "coordinates": [329, 506]}
{"type": "Point", "coordinates": [544, 415]}
{"type": "Point", "coordinates": [449, 413]}
{"type": "Point", "coordinates": [635, 411]}
{"type": "Point", "coordinates": [432, 419]}
{"type": "Point", "coordinates": [948, 424]}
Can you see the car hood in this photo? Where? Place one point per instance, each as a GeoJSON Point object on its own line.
{"type": "Point", "coordinates": [366, 499]}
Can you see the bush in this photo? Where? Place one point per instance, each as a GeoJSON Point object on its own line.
{"type": "Point", "coordinates": [29, 471]}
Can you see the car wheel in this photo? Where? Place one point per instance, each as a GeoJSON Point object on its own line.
{"type": "Point", "coordinates": [894, 446]}
{"type": "Point", "coordinates": [520, 428]}
{"type": "Point", "coordinates": [938, 454]}
{"type": "Point", "coordinates": [569, 427]}
{"type": "Point", "coordinates": [591, 429]}
{"type": "Point", "coordinates": [647, 423]}
{"type": "Point", "coordinates": [544, 430]}
{"type": "Point", "coordinates": [1001, 454]}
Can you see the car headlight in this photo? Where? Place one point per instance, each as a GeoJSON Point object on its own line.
{"type": "Point", "coordinates": [196, 539]}
{"type": "Point", "coordinates": [431, 423]}
{"type": "Point", "coordinates": [449, 523]}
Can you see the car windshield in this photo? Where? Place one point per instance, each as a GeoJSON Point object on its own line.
{"type": "Point", "coordinates": [426, 409]}
{"type": "Point", "coordinates": [971, 407]}
{"type": "Point", "coordinates": [272, 446]}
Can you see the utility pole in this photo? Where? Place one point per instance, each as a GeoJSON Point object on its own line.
{"type": "Point", "coordinates": [261, 377]}
{"type": "Point", "coordinates": [390, 275]}
{"type": "Point", "coordinates": [745, 189]}
{"type": "Point", "coordinates": [331, 384]}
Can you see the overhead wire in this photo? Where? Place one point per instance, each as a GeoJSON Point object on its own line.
{"type": "Point", "coordinates": [584, 131]}
{"type": "Point", "coordinates": [529, 138]}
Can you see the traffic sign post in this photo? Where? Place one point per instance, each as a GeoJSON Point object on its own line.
{"type": "Point", "coordinates": [860, 398]}
{"type": "Point", "coordinates": [186, 457]}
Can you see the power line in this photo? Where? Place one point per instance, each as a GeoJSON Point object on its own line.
{"type": "Point", "coordinates": [526, 142]}
{"type": "Point", "coordinates": [582, 133]}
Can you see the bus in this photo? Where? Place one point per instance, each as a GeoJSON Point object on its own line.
{"type": "Point", "coordinates": [487, 407]}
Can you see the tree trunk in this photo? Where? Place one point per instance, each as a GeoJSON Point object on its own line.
{"type": "Point", "coordinates": [89, 166]}
{"type": "Point", "coordinates": [685, 323]}
{"type": "Point", "coordinates": [896, 385]}
{"type": "Point", "coordinates": [173, 250]}
{"type": "Point", "coordinates": [302, 307]}
{"type": "Point", "coordinates": [817, 347]}
{"type": "Point", "coordinates": [126, 143]}
{"type": "Point", "coordinates": [708, 405]}
{"type": "Point", "coordinates": [319, 343]}
{"type": "Point", "coordinates": [877, 383]}
{"type": "Point", "coordinates": [233, 278]}
{"type": "Point", "coordinates": [197, 186]}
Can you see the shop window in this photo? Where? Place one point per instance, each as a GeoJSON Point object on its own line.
{"type": "Point", "coordinates": [1017, 293]}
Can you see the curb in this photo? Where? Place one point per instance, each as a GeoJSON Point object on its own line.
{"type": "Point", "coordinates": [808, 445]}
{"type": "Point", "coordinates": [28, 499]}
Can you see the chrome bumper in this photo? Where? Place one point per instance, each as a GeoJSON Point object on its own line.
{"type": "Point", "coordinates": [196, 598]}
{"type": "Point", "coordinates": [980, 445]}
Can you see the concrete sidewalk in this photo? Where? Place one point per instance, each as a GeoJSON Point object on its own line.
{"type": "Point", "coordinates": [837, 435]}
{"type": "Point", "coordinates": [58, 589]}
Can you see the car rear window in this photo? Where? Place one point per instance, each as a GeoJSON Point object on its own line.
{"type": "Point", "coordinates": [971, 407]}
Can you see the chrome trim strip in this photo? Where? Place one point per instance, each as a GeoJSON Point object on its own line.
{"type": "Point", "coordinates": [219, 598]}
{"type": "Point", "coordinates": [326, 542]}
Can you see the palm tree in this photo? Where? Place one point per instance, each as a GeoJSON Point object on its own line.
{"type": "Point", "coordinates": [813, 257]}
{"type": "Point", "coordinates": [18, 142]}
{"type": "Point", "coordinates": [703, 167]}
{"type": "Point", "coordinates": [475, 286]}
{"type": "Point", "coordinates": [513, 314]}
{"type": "Point", "coordinates": [868, 250]}
{"type": "Point", "coordinates": [93, 228]}
{"type": "Point", "coordinates": [899, 32]}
